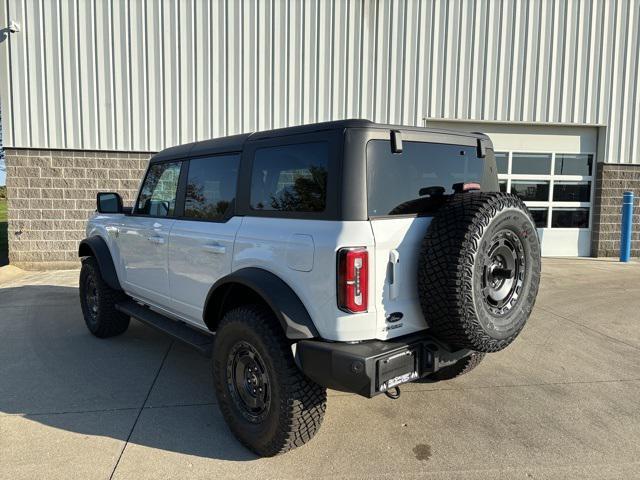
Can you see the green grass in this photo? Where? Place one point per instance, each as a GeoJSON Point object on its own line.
{"type": "Point", "coordinates": [4, 250]}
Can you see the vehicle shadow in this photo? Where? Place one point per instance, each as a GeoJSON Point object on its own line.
{"type": "Point", "coordinates": [54, 372]}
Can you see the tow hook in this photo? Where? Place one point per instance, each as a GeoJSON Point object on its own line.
{"type": "Point", "coordinates": [395, 395]}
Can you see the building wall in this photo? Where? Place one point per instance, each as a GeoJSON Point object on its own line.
{"type": "Point", "coordinates": [612, 181]}
{"type": "Point", "coordinates": [52, 193]}
{"type": "Point", "coordinates": [140, 76]}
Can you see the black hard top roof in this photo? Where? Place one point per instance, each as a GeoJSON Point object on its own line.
{"type": "Point", "coordinates": [235, 143]}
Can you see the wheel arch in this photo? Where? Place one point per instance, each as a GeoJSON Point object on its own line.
{"type": "Point", "coordinates": [256, 285]}
{"type": "Point", "coordinates": [97, 248]}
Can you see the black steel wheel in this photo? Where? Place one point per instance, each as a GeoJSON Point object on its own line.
{"type": "Point", "coordinates": [479, 270]}
{"type": "Point", "coordinates": [504, 269]}
{"type": "Point", "coordinates": [268, 403]}
{"type": "Point", "coordinates": [91, 299]}
{"type": "Point", "coordinates": [98, 302]}
{"type": "Point", "coordinates": [248, 381]}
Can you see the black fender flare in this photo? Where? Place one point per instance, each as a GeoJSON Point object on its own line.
{"type": "Point", "coordinates": [96, 247]}
{"type": "Point", "coordinates": [286, 305]}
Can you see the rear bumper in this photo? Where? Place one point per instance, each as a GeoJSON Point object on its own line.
{"type": "Point", "coordinates": [375, 366]}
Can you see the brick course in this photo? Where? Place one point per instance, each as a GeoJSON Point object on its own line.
{"type": "Point", "coordinates": [613, 179]}
{"type": "Point", "coordinates": [52, 194]}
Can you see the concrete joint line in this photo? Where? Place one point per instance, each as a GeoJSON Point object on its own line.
{"type": "Point", "coordinates": [146, 399]}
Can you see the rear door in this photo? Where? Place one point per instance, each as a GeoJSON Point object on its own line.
{"type": "Point", "coordinates": [404, 190]}
{"type": "Point", "coordinates": [202, 239]}
{"type": "Point", "coordinates": [143, 239]}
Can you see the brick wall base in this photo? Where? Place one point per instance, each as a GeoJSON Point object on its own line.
{"type": "Point", "coordinates": [51, 193]}
{"type": "Point", "coordinates": [612, 180]}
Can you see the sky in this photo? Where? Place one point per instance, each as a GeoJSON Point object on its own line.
{"type": "Point", "coordinates": [2, 178]}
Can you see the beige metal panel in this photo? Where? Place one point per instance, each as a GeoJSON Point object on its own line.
{"type": "Point", "coordinates": [143, 75]}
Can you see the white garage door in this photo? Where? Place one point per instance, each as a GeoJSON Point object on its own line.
{"type": "Point", "coordinates": [552, 169]}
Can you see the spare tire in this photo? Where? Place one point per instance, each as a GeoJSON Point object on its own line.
{"type": "Point", "coordinates": [479, 270]}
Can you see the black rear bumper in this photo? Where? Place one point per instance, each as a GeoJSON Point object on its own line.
{"type": "Point", "coordinates": [374, 366]}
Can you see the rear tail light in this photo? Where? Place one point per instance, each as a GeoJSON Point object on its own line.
{"type": "Point", "coordinates": [353, 279]}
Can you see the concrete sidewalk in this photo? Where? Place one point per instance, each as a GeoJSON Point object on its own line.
{"type": "Point", "coordinates": [562, 402]}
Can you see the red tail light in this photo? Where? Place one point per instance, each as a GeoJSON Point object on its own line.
{"type": "Point", "coordinates": [353, 279]}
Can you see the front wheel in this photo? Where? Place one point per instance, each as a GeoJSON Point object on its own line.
{"type": "Point", "coordinates": [269, 405]}
{"type": "Point", "coordinates": [98, 302]}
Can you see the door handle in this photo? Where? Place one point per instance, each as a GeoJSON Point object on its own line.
{"type": "Point", "coordinates": [394, 285]}
{"type": "Point", "coordinates": [156, 239]}
{"type": "Point", "coordinates": [214, 248]}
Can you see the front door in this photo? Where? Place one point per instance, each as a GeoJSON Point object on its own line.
{"type": "Point", "coordinates": [201, 241]}
{"type": "Point", "coordinates": [144, 237]}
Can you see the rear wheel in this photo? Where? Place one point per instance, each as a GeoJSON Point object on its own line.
{"type": "Point", "coordinates": [462, 366]}
{"type": "Point", "coordinates": [98, 302]}
{"type": "Point", "coordinates": [269, 405]}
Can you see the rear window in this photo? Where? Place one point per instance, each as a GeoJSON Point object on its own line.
{"type": "Point", "coordinates": [415, 180]}
{"type": "Point", "coordinates": [290, 178]}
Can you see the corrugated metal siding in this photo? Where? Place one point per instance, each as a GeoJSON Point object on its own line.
{"type": "Point", "coordinates": [144, 74]}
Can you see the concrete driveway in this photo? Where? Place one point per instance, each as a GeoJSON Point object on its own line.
{"type": "Point", "coordinates": [562, 402]}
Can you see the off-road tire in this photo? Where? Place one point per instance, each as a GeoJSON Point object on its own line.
{"type": "Point", "coordinates": [462, 366]}
{"type": "Point", "coordinates": [297, 404]}
{"type": "Point", "coordinates": [104, 320]}
{"type": "Point", "coordinates": [452, 270]}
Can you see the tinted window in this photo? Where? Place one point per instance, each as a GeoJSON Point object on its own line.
{"type": "Point", "coordinates": [571, 191]}
{"type": "Point", "coordinates": [415, 180]}
{"type": "Point", "coordinates": [576, 164]}
{"type": "Point", "coordinates": [211, 186]}
{"type": "Point", "coordinates": [570, 218]}
{"type": "Point", "coordinates": [290, 178]}
{"type": "Point", "coordinates": [540, 216]}
{"type": "Point", "coordinates": [531, 190]}
{"type": "Point", "coordinates": [158, 194]}
{"type": "Point", "coordinates": [531, 163]}
{"type": "Point", "coordinates": [502, 162]}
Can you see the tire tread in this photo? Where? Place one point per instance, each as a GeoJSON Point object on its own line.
{"type": "Point", "coordinates": [446, 265]}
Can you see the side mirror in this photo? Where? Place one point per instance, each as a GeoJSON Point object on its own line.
{"type": "Point", "coordinates": [109, 202]}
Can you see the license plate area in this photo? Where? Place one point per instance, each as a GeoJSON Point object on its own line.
{"type": "Point", "coordinates": [396, 369]}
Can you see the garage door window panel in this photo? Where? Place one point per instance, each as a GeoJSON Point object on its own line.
{"type": "Point", "coordinates": [570, 218]}
{"type": "Point", "coordinates": [531, 164]}
{"type": "Point", "coordinates": [531, 190]}
{"type": "Point", "coordinates": [573, 164]}
{"type": "Point", "coordinates": [540, 216]}
{"type": "Point", "coordinates": [572, 191]}
{"type": "Point", "coordinates": [556, 187]}
{"type": "Point", "coordinates": [502, 162]}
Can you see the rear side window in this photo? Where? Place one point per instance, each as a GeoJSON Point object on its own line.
{"type": "Point", "coordinates": [415, 180]}
{"type": "Point", "coordinates": [158, 194]}
{"type": "Point", "coordinates": [290, 178]}
{"type": "Point", "coordinates": [211, 187]}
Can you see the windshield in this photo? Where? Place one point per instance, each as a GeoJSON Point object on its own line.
{"type": "Point", "coordinates": [415, 180]}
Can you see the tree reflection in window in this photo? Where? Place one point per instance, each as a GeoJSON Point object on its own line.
{"type": "Point", "coordinates": [307, 193]}
{"type": "Point", "coordinates": [290, 178]}
{"type": "Point", "coordinates": [211, 187]}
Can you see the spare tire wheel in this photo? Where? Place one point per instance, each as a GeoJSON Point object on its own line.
{"type": "Point", "coordinates": [479, 270]}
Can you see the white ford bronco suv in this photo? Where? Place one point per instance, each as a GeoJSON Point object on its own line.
{"type": "Point", "coordinates": [345, 255]}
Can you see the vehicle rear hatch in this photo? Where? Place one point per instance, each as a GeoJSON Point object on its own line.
{"type": "Point", "coordinates": [404, 190]}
